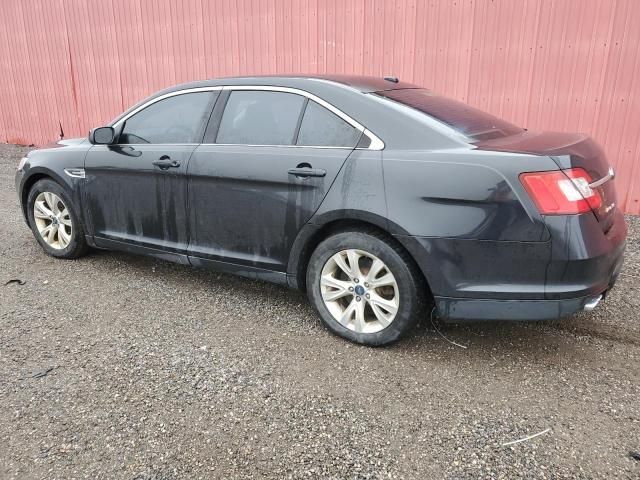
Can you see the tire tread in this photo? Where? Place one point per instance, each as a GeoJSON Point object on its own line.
{"type": "Point", "coordinates": [418, 285]}
{"type": "Point", "coordinates": [80, 246]}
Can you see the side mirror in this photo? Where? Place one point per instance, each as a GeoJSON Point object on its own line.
{"type": "Point", "coordinates": [102, 135]}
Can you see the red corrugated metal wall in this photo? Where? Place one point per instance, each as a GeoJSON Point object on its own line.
{"type": "Point", "coordinates": [558, 65]}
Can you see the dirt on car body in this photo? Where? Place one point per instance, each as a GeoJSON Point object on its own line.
{"type": "Point", "coordinates": [115, 366]}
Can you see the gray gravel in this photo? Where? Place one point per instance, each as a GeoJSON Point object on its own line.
{"type": "Point", "coordinates": [114, 366]}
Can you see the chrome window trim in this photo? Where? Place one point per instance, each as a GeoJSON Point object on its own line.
{"type": "Point", "coordinates": [375, 142]}
{"type": "Point", "coordinates": [147, 144]}
{"type": "Point", "coordinates": [162, 97]}
{"type": "Point", "coordinates": [278, 146]}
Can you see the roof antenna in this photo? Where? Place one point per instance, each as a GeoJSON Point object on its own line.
{"type": "Point", "coordinates": [61, 130]}
{"type": "Point", "coordinates": [392, 79]}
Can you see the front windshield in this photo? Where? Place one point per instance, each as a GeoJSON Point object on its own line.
{"type": "Point", "coordinates": [469, 121]}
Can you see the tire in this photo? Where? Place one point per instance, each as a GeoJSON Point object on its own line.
{"type": "Point", "coordinates": [383, 314]}
{"type": "Point", "coordinates": [55, 203]}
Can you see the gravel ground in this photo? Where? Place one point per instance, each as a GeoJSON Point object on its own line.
{"type": "Point", "coordinates": [115, 366]}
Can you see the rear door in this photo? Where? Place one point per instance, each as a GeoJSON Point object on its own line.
{"type": "Point", "coordinates": [136, 190]}
{"type": "Point", "coordinates": [272, 155]}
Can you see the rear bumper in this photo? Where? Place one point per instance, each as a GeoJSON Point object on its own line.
{"type": "Point", "coordinates": [486, 280]}
{"type": "Point", "coordinates": [584, 260]}
{"type": "Point", "coordinates": [458, 309]}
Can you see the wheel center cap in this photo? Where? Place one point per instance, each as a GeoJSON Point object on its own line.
{"type": "Point", "coordinates": [359, 290]}
{"type": "Point", "coordinates": [54, 221]}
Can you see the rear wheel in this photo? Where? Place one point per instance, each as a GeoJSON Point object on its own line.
{"type": "Point", "coordinates": [364, 287]}
{"type": "Point", "coordinates": [54, 222]}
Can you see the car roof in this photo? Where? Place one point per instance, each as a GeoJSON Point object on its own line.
{"type": "Point", "coordinates": [319, 84]}
{"type": "Point", "coordinates": [361, 83]}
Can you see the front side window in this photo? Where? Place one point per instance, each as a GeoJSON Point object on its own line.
{"type": "Point", "coordinates": [323, 128]}
{"type": "Point", "coordinates": [177, 119]}
{"type": "Point", "coordinates": [260, 118]}
{"type": "Point", "coordinates": [469, 121]}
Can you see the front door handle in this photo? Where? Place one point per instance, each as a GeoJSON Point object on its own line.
{"type": "Point", "coordinates": [165, 163]}
{"type": "Point", "coordinates": [304, 172]}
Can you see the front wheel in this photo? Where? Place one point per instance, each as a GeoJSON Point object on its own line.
{"type": "Point", "coordinates": [364, 287]}
{"type": "Point", "coordinates": [54, 220]}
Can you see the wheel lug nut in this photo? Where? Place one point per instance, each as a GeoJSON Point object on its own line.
{"type": "Point", "coordinates": [358, 299]}
{"type": "Point", "coordinates": [368, 296]}
{"type": "Point", "coordinates": [366, 284]}
{"type": "Point", "coordinates": [351, 289]}
{"type": "Point", "coordinates": [356, 280]}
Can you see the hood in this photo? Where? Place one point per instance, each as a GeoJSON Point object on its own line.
{"type": "Point", "coordinates": [66, 142]}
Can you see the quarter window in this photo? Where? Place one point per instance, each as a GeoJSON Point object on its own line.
{"type": "Point", "coordinates": [323, 128]}
{"type": "Point", "coordinates": [260, 118]}
{"type": "Point", "coordinates": [177, 119]}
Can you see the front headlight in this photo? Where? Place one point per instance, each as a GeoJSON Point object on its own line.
{"type": "Point", "coordinates": [23, 160]}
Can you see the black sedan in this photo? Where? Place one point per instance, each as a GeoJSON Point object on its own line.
{"type": "Point", "coordinates": [381, 199]}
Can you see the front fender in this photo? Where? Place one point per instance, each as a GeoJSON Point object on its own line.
{"type": "Point", "coordinates": [51, 163]}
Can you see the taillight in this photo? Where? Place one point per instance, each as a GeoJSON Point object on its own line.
{"type": "Point", "coordinates": [561, 192]}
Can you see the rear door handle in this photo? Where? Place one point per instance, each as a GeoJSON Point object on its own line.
{"type": "Point", "coordinates": [305, 172]}
{"type": "Point", "coordinates": [165, 163]}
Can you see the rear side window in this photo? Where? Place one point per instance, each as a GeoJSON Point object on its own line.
{"type": "Point", "coordinates": [260, 118]}
{"type": "Point", "coordinates": [177, 119]}
{"type": "Point", "coordinates": [469, 121]}
{"type": "Point", "coordinates": [323, 128]}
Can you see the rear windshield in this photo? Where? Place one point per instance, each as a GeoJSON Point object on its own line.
{"type": "Point", "coordinates": [473, 123]}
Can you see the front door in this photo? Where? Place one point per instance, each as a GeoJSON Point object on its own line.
{"type": "Point", "coordinates": [136, 190]}
{"type": "Point", "coordinates": [274, 158]}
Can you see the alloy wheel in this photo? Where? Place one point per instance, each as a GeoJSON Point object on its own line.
{"type": "Point", "coordinates": [359, 291]}
{"type": "Point", "coordinates": [53, 220]}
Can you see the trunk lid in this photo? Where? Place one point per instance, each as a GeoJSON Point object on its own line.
{"type": "Point", "coordinates": [568, 150]}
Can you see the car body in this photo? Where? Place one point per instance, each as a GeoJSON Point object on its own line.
{"type": "Point", "coordinates": [259, 185]}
